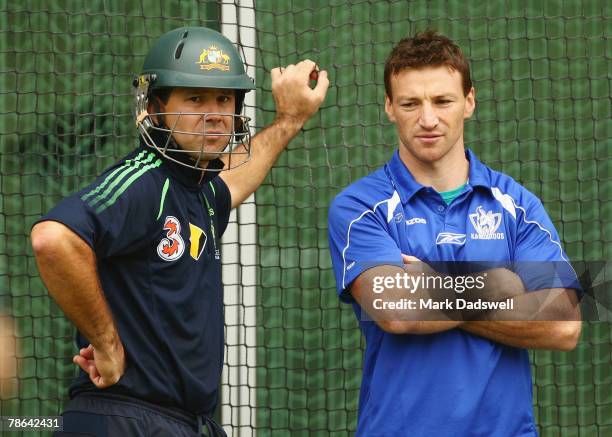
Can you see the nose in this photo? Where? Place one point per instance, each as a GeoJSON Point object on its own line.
{"type": "Point", "coordinates": [428, 118]}
{"type": "Point", "coordinates": [217, 121]}
{"type": "Point", "coordinates": [212, 118]}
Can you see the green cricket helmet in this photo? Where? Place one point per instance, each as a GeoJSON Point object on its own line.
{"type": "Point", "coordinates": [192, 57]}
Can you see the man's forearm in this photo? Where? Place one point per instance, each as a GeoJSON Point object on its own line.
{"type": "Point", "coordinates": [529, 334]}
{"type": "Point", "coordinates": [67, 266]}
{"type": "Point", "coordinates": [295, 103]}
{"type": "Point", "coordinates": [545, 319]}
{"type": "Point", "coordinates": [266, 147]}
{"type": "Point", "coordinates": [395, 309]}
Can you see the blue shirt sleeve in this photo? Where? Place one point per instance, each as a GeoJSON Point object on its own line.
{"type": "Point", "coordinates": [111, 225]}
{"type": "Point", "coordinates": [539, 258]}
{"type": "Point", "coordinates": [358, 239]}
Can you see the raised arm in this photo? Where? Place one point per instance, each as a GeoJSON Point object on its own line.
{"type": "Point", "coordinates": [67, 266]}
{"type": "Point", "coordinates": [295, 103]}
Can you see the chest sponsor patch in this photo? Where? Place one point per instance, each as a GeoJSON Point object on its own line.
{"type": "Point", "coordinates": [485, 224]}
{"type": "Point", "coordinates": [172, 246]}
{"type": "Point", "coordinates": [450, 238]}
{"type": "Point", "coordinates": [197, 241]}
{"type": "Point", "coordinates": [416, 220]}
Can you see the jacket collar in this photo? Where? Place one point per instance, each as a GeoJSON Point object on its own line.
{"type": "Point", "coordinates": [407, 186]}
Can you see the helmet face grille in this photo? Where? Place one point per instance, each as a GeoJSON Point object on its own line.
{"type": "Point", "coordinates": [235, 145]}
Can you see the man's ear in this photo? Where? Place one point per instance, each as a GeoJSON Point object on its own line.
{"type": "Point", "coordinates": [155, 106]}
{"type": "Point", "coordinates": [470, 103]}
{"type": "Point", "coordinates": [389, 109]}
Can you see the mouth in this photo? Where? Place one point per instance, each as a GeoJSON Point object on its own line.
{"type": "Point", "coordinates": [214, 135]}
{"type": "Point", "coordinates": [429, 138]}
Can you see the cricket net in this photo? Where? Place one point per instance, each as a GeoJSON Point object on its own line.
{"type": "Point", "coordinates": [294, 354]}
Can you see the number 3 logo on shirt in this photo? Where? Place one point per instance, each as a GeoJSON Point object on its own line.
{"type": "Point", "coordinates": [172, 247]}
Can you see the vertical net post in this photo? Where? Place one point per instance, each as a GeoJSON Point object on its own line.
{"type": "Point", "coordinates": [238, 400]}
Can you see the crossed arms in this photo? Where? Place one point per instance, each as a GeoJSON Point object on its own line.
{"type": "Point", "coordinates": [558, 326]}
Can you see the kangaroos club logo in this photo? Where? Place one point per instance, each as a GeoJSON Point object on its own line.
{"type": "Point", "coordinates": [486, 223]}
{"type": "Point", "coordinates": [172, 246]}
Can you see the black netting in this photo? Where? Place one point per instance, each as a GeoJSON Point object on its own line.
{"type": "Point", "coordinates": [542, 75]}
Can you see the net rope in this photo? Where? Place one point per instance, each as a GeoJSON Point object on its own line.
{"type": "Point", "coordinates": [542, 77]}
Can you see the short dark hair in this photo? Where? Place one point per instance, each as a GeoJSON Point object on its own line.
{"type": "Point", "coordinates": [162, 94]}
{"type": "Point", "coordinates": [427, 49]}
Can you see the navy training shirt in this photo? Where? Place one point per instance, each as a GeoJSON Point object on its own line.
{"type": "Point", "coordinates": [450, 383]}
{"type": "Point", "coordinates": [155, 227]}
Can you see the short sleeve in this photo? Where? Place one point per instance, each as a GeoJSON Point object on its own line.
{"type": "Point", "coordinates": [111, 220]}
{"type": "Point", "coordinates": [358, 239]}
{"type": "Point", "coordinates": [539, 257]}
{"type": "Point", "coordinates": [223, 202]}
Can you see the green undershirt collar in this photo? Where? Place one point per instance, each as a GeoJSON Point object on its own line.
{"type": "Point", "coordinates": [449, 196]}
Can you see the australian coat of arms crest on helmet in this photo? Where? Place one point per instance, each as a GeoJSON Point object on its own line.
{"type": "Point", "coordinates": [213, 58]}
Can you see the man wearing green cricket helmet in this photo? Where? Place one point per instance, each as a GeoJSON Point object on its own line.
{"type": "Point", "coordinates": [193, 58]}
{"type": "Point", "coordinates": [134, 258]}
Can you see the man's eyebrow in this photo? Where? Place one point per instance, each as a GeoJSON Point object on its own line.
{"type": "Point", "coordinates": [445, 96]}
{"type": "Point", "coordinates": [436, 96]}
{"type": "Point", "coordinates": [407, 97]}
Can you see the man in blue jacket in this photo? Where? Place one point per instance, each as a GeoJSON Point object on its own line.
{"type": "Point", "coordinates": [436, 371]}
